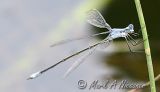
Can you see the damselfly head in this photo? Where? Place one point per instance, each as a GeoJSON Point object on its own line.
{"type": "Point", "coordinates": [130, 28]}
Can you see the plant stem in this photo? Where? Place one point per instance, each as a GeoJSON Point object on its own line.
{"type": "Point", "coordinates": [145, 85]}
{"type": "Point", "coordinates": [146, 45]}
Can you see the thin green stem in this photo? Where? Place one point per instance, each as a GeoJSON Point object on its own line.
{"type": "Point", "coordinates": [146, 45]}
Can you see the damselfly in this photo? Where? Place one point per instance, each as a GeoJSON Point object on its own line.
{"type": "Point", "coordinates": [95, 18]}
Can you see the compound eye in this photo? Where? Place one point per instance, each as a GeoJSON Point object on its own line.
{"type": "Point", "coordinates": [131, 26]}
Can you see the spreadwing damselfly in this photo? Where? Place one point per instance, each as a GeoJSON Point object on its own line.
{"type": "Point", "coordinates": [95, 18]}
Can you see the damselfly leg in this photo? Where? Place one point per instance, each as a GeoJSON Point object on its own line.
{"type": "Point", "coordinates": [128, 40]}
{"type": "Point", "coordinates": [132, 40]}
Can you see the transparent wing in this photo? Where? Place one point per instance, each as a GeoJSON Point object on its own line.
{"type": "Point", "coordinates": [79, 61]}
{"type": "Point", "coordinates": [82, 59]}
{"type": "Point", "coordinates": [80, 38]}
{"type": "Point", "coordinates": [104, 45]}
{"type": "Point", "coordinates": [95, 18]}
